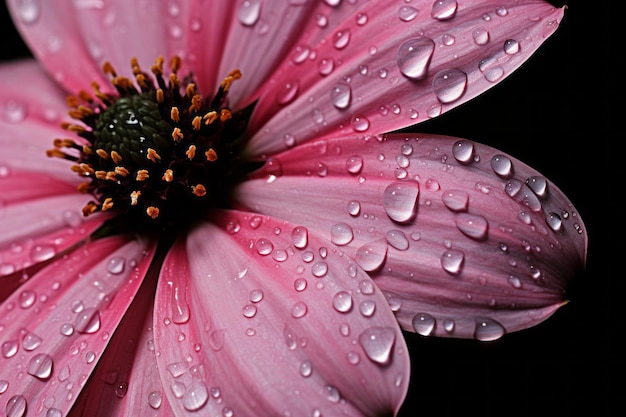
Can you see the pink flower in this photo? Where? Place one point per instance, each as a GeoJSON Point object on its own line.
{"type": "Point", "coordinates": [250, 240]}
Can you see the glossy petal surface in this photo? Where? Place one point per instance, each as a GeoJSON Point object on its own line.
{"type": "Point", "coordinates": [266, 302]}
{"type": "Point", "coordinates": [456, 234]}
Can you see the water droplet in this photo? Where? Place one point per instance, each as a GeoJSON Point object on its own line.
{"type": "Point", "coordinates": [299, 310]}
{"type": "Point", "coordinates": [121, 389]}
{"type": "Point", "coordinates": [216, 339]}
{"type": "Point", "coordinates": [264, 247]}
{"type": "Point", "coordinates": [249, 12]}
{"type": "Point", "coordinates": [515, 281]}
{"type": "Point", "coordinates": [511, 47]}
{"type": "Point", "coordinates": [377, 343]}
{"type": "Point", "coordinates": [463, 151]}
{"type": "Point", "coordinates": [287, 93]}
{"type": "Point", "coordinates": [16, 406]}
{"type": "Point", "coordinates": [300, 284]}
{"type": "Point", "coordinates": [54, 412]}
{"type": "Point", "coordinates": [300, 54]}
{"type": "Point", "coordinates": [488, 329]}
{"type": "Point", "coordinates": [480, 36]}
{"type": "Point", "coordinates": [249, 311]}
{"type": "Point", "coordinates": [472, 225]}
{"type": "Point", "coordinates": [27, 299]}
{"type": "Point", "coordinates": [413, 57]}
{"type": "Point", "coordinates": [366, 287]}
{"type": "Point", "coordinates": [360, 123]}
{"type": "Point", "coordinates": [196, 396]}
{"type": "Point", "coordinates": [341, 38]}
{"type": "Point", "coordinates": [444, 9]}
{"type": "Point", "coordinates": [371, 255]}
{"type": "Point", "coordinates": [361, 19]}
{"type": "Point", "coordinates": [300, 237]}
{"type": "Point", "coordinates": [255, 295]}
{"type": "Point", "coordinates": [342, 301]}
{"type": "Point", "coordinates": [116, 265]}
{"type": "Point", "coordinates": [407, 13]}
{"type": "Point", "coordinates": [40, 366]}
{"type": "Point", "coordinates": [306, 369]}
{"type": "Point", "coordinates": [341, 234]}
{"type": "Point", "coordinates": [31, 341]}
{"type": "Point", "coordinates": [66, 329]}
{"type": "Point", "coordinates": [448, 39]}
{"type": "Point", "coordinates": [455, 200]}
{"type": "Point", "coordinates": [354, 164]}
{"type": "Point", "coordinates": [554, 221]}
{"type": "Point", "coordinates": [452, 261]}
{"type": "Point", "coordinates": [341, 95]}
{"type": "Point", "coordinates": [502, 165]}
{"type": "Point", "coordinates": [319, 269]}
{"type": "Point", "coordinates": [87, 321]}
{"type": "Point", "coordinates": [9, 348]}
{"type": "Point", "coordinates": [397, 239]}
{"type": "Point", "coordinates": [367, 308]}
{"type": "Point", "coordinates": [448, 325]}
{"type": "Point", "coordinates": [155, 399]}
{"type": "Point", "coordinates": [424, 324]}
{"type": "Point", "coordinates": [354, 208]}
{"type": "Point", "coordinates": [521, 193]}
{"type": "Point", "coordinates": [400, 201]}
{"type": "Point", "coordinates": [41, 253]}
{"type": "Point", "coordinates": [539, 185]}
{"type": "Point", "coordinates": [449, 85]}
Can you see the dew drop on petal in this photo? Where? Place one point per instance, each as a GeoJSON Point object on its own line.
{"type": "Point", "coordinates": [511, 46]}
{"type": "Point", "coordinates": [341, 96]}
{"type": "Point", "coordinates": [539, 185]}
{"type": "Point", "coordinates": [319, 269]}
{"type": "Point", "coordinates": [449, 85]}
{"type": "Point", "coordinates": [87, 321]}
{"type": "Point", "coordinates": [249, 311]}
{"type": "Point", "coordinates": [300, 284]}
{"type": "Point", "coordinates": [452, 261]}
{"type": "Point", "coordinates": [554, 221]}
{"type": "Point", "coordinates": [249, 12]}
{"type": "Point", "coordinates": [16, 406]}
{"type": "Point", "coordinates": [480, 36]}
{"type": "Point", "coordinates": [397, 239]}
{"type": "Point", "coordinates": [488, 329]}
{"type": "Point", "coordinates": [326, 66]}
{"type": "Point", "coordinates": [300, 237]}
{"type": "Point", "coordinates": [354, 208]}
{"type": "Point", "coordinates": [407, 13]}
{"type": "Point", "coordinates": [28, 11]}
{"type": "Point", "coordinates": [456, 200]}
{"type": "Point", "coordinates": [264, 247]}
{"type": "Point", "coordinates": [371, 255]}
{"type": "Point", "coordinates": [306, 369]}
{"type": "Point", "coordinates": [299, 310]}
{"type": "Point", "coordinates": [40, 366]}
{"type": "Point", "coordinates": [521, 193]}
{"type": "Point", "coordinates": [502, 165]}
{"type": "Point", "coordinates": [400, 201]}
{"type": "Point", "coordinates": [360, 123]}
{"type": "Point", "coordinates": [423, 324]}
{"type": "Point", "coordinates": [155, 399]}
{"type": "Point", "coordinates": [367, 308]}
{"type": "Point", "coordinates": [287, 93]}
{"type": "Point", "coordinates": [444, 9]}
{"type": "Point", "coordinates": [341, 234]}
{"type": "Point", "coordinates": [463, 151]}
{"type": "Point", "coordinates": [413, 57]}
{"type": "Point", "coordinates": [377, 343]}
{"type": "Point", "coordinates": [472, 225]}
{"type": "Point", "coordinates": [342, 301]}
{"type": "Point", "coordinates": [341, 38]}
{"type": "Point", "coordinates": [31, 341]}
{"type": "Point", "coordinates": [354, 164]}
{"type": "Point", "coordinates": [255, 295]}
{"type": "Point", "coordinates": [9, 348]}
{"type": "Point", "coordinates": [196, 396]}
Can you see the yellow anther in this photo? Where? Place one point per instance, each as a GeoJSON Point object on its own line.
{"type": "Point", "coordinates": [175, 63]}
{"type": "Point", "coordinates": [141, 81]}
{"type": "Point", "coordinates": [86, 168]}
{"type": "Point", "coordinates": [122, 82]}
{"type": "Point", "coordinates": [87, 150]}
{"type": "Point", "coordinates": [210, 117]}
{"type": "Point", "coordinates": [116, 157]}
{"type": "Point", "coordinates": [71, 101]}
{"type": "Point", "coordinates": [102, 154]}
{"type": "Point", "coordinates": [134, 64]}
{"type": "Point", "coordinates": [101, 175]}
{"type": "Point", "coordinates": [108, 69]}
{"type": "Point", "coordinates": [168, 175]}
{"type": "Point", "coordinates": [198, 190]}
{"type": "Point", "coordinates": [191, 152]}
{"type": "Point", "coordinates": [211, 155]}
{"type": "Point", "coordinates": [225, 114]}
{"type": "Point", "coordinates": [174, 82]}
{"type": "Point", "coordinates": [157, 68]}
{"type": "Point", "coordinates": [175, 114]}
{"type": "Point", "coordinates": [228, 80]}
{"type": "Point", "coordinates": [55, 153]}
{"type": "Point", "coordinates": [72, 127]}
{"type": "Point", "coordinates": [121, 171]}
{"type": "Point", "coordinates": [153, 212]}
{"type": "Point", "coordinates": [196, 123]}
{"type": "Point", "coordinates": [90, 208]}
{"type": "Point", "coordinates": [160, 96]}
{"type": "Point", "coordinates": [177, 134]}
{"type": "Point", "coordinates": [83, 188]}
{"type": "Point", "coordinates": [142, 175]}
{"type": "Point", "coordinates": [134, 197]}
{"type": "Point", "coordinates": [190, 90]}
{"type": "Point", "coordinates": [64, 143]}
{"type": "Point", "coordinates": [153, 155]}
{"type": "Point", "coordinates": [107, 204]}
{"type": "Point", "coordinates": [196, 103]}
{"type": "Point", "coordinates": [111, 176]}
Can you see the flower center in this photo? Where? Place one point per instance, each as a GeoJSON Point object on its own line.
{"type": "Point", "coordinates": [156, 153]}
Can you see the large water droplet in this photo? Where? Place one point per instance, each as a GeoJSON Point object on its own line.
{"type": "Point", "coordinates": [400, 201]}
{"type": "Point", "coordinates": [31, 341]}
{"type": "Point", "coordinates": [341, 95]}
{"type": "Point", "coordinates": [360, 123]}
{"type": "Point", "coordinates": [87, 321]}
{"type": "Point", "coordinates": [299, 310]}
{"type": "Point", "coordinates": [449, 85]}
{"type": "Point", "coordinates": [407, 13]}
{"type": "Point", "coordinates": [521, 193]}
{"type": "Point", "coordinates": [539, 185]}
{"type": "Point", "coordinates": [452, 261]}
{"type": "Point", "coordinates": [264, 247]}
{"type": "Point", "coordinates": [413, 57]}
{"type": "Point", "coordinates": [179, 306]}
{"type": "Point", "coordinates": [397, 239]}
{"type": "Point", "coordinates": [287, 92]}
{"type": "Point", "coordinates": [488, 329]}
{"type": "Point", "coordinates": [455, 200]}
{"type": "Point", "coordinates": [326, 66]}
{"type": "Point", "coordinates": [40, 366]}
{"type": "Point", "coordinates": [155, 399]}
{"type": "Point", "coordinates": [472, 225]}
{"type": "Point", "coordinates": [377, 343]}
{"type": "Point", "coordinates": [480, 36]}
{"type": "Point", "coordinates": [502, 165]}
{"type": "Point", "coordinates": [341, 38]}
{"type": "Point", "coordinates": [306, 369]}
{"type": "Point", "coordinates": [16, 406]}
{"type": "Point", "coordinates": [249, 12]}
{"type": "Point", "coordinates": [371, 255]}
{"type": "Point", "coordinates": [463, 151]}
{"type": "Point", "coordinates": [341, 234]}
{"type": "Point", "coordinates": [354, 164]}
{"type": "Point", "coordinates": [424, 324]}
{"type": "Point", "coordinates": [444, 9]}
{"type": "Point", "coordinates": [196, 396]}
{"type": "Point", "coordinates": [554, 221]}
{"type": "Point", "coordinates": [342, 301]}
{"type": "Point", "coordinates": [9, 348]}
{"type": "Point", "coordinates": [300, 237]}
{"type": "Point", "coordinates": [511, 47]}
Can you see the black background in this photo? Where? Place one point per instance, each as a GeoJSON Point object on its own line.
{"type": "Point", "coordinates": [555, 113]}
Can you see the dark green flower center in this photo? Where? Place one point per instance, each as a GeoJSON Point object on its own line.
{"type": "Point", "coordinates": [156, 154]}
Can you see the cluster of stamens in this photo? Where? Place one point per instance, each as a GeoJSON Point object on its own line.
{"type": "Point", "coordinates": [155, 149]}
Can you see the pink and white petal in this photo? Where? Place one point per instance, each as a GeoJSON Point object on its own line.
{"type": "Point", "coordinates": [461, 238]}
{"type": "Point", "coordinates": [126, 381]}
{"type": "Point", "coordinates": [259, 317]}
{"type": "Point", "coordinates": [394, 69]}
{"type": "Point", "coordinates": [56, 327]}
{"type": "Point", "coordinates": [32, 108]}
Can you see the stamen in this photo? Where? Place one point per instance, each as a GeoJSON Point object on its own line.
{"type": "Point", "coordinates": [134, 197]}
{"type": "Point", "coordinates": [196, 123]}
{"type": "Point", "coordinates": [56, 153]}
{"type": "Point", "coordinates": [102, 154]}
{"type": "Point", "coordinates": [175, 115]}
{"type": "Point", "coordinates": [177, 134]}
{"type": "Point", "coordinates": [210, 117]}
{"type": "Point", "coordinates": [121, 171]}
{"type": "Point", "coordinates": [211, 155]}
{"type": "Point", "coordinates": [198, 190]}
{"type": "Point", "coordinates": [153, 212]}
{"type": "Point", "coordinates": [108, 69]}
{"type": "Point", "coordinates": [153, 155]}
{"type": "Point", "coordinates": [225, 114]}
{"type": "Point", "coordinates": [168, 176]}
{"type": "Point", "coordinates": [116, 157]}
{"type": "Point", "coordinates": [142, 175]}
{"type": "Point", "coordinates": [107, 204]}
{"type": "Point", "coordinates": [160, 97]}
{"type": "Point", "coordinates": [191, 152]}
{"type": "Point", "coordinates": [89, 209]}
{"type": "Point", "coordinates": [84, 188]}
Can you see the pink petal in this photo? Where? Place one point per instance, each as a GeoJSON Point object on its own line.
{"type": "Point", "coordinates": [389, 73]}
{"type": "Point", "coordinates": [126, 381]}
{"type": "Point", "coordinates": [259, 317]}
{"type": "Point", "coordinates": [57, 325]}
{"type": "Point", "coordinates": [458, 235]}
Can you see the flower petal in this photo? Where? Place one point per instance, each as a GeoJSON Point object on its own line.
{"type": "Point", "coordinates": [57, 325]}
{"type": "Point", "coordinates": [259, 317]}
{"type": "Point", "coordinates": [456, 234]}
{"type": "Point", "coordinates": [388, 66]}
